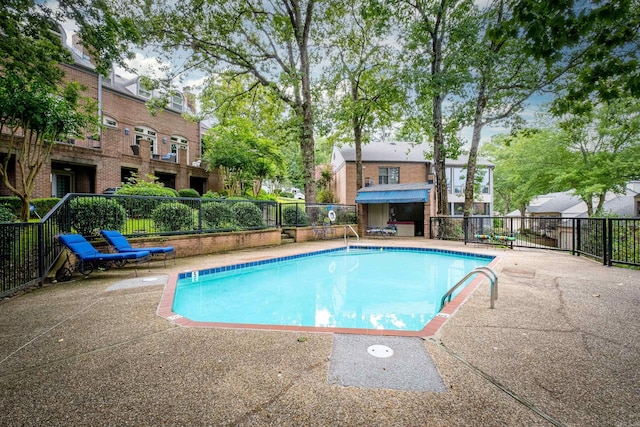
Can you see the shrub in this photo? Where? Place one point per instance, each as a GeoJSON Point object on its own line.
{"type": "Point", "coordinates": [346, 216]}
{"type": "Point", "coordinates": [248, 215]}
{"type": "Point", "coordinates": [217, 215]}
{"type": "Point", "coordinates": [89, 215]}
{"type": "Point", "coordinates": [14, 204]}
{"type": "Point", "coordinates": [263, 195]}
{"type": "Point", "coordinates": [141, 207]}
{"type": "Point", "coordinates": [211, 195]}
{"type": "Point", "coordinates": [326, 196]}
{"type": "Point", "coordinates": [7, 234]}
{"type": "Point", "coordinates": [291, 215]}
{"type": "Point", "coordinates": [43, 206]}
{"type": "Point", "coordinates": [6, 214]}
{"type": "Point", "coordinates": [172, 217]}
{"type": "Point", "coordinates": [189, 192]}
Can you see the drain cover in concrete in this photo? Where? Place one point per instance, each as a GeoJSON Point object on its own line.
{"type": "Point", "coordinates": [139, 282]}
{"type": "Point", "coordinates": [405, 364]}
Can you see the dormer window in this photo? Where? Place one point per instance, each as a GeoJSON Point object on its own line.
{"type": "Point", "coordinates": [144, 93]}
{"type": "Point", "coordinates": [176, 102]}
{"type": "Point", "coordinates": [144, 88]}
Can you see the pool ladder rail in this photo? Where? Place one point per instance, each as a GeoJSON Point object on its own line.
{"type": "Point", "coordinates": [488, 272]}
{"type": "Point", "coordinates": [346, 236]}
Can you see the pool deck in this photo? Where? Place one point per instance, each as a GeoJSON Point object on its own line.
{"type": "Point", "coordinates": [562, 347]}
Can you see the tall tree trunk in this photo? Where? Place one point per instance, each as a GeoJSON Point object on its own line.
{"type": "Point", "coordinates": [307, 148]}
{"type": "Point", "coordinates": [600, 208]}
{"type": "Point", "coordinates": [439, 157]}
{"type": "Point", "coordinates": [481, 103]}
{"type": "Point", "coordinates": [589, 202]}
{"type": "Point", "coordinates": [357, 137]}
{"type": "Point", "coordinates": [307, 143]}
{"type": "Point", "coordinates": [439, 151]}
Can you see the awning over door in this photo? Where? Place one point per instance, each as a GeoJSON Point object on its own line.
{"type": "Point", "coordinates": [394, 193]}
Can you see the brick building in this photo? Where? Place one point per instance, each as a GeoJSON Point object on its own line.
{"type": "Point", "coordinates": [398, 186]}
{"type": "Point", "coordinates": [130, 140]}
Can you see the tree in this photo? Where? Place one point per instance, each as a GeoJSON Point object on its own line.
{"type": "Point", "coordinates": [605, 143]}
{"type": "Point", "coordinates": [438, 35]}
{"type": "Point", "coordinates": [526, 164]}
{"type": "Point", "coordinates": [363, 91]}
{"type": "Point", "coordinates": [36, 108]}
{"type": "Point", "coordinates": [607, 32]}
{"type": "Point", "coordinates": [267, 40]}
{"type": "Point", "coordinates": [244, 156]}
{"type": "Point", "coordinates": [34, 117]}
{"type": "Point", "coordinates": [503, 78]}
{"type": "Point", "coordinates": [251, 123]}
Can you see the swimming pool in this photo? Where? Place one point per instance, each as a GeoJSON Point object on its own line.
{"type": "Point", "coordinates": [363, 288]}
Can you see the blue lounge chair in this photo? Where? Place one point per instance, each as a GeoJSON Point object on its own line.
{"type": "Point", "coordinates": [122, 245]}
{"type": "Point", "coordinates": [89, 258]}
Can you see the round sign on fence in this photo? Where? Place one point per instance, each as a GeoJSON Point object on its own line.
{"type": "Point", "coordinates": [332, 216]}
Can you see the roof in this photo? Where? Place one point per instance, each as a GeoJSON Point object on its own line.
{"type": "Point", "coordinates": [567, 204]}
{"type": "Point", "coordinates": [388, 152]}
{"type": "Point", "coordinates": [553, 202]}
{"type": "Point", "coordinates": [395, 193]}
{"type": "Point", "coordinates": [394, 151]}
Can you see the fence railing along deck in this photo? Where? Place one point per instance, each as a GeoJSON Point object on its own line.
{"type": "Point", "coordinates": [609, 240]}
{"type": "Point", "coordinates": [28, 251]}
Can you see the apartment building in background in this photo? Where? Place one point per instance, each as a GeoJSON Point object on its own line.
{"type": "Point", "coordinates": [130, 140]}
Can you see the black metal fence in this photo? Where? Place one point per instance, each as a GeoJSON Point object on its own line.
{"type": "Point", "coordinates": [28, 251]}
{"type": "Point", "coordinates": [609, 240]}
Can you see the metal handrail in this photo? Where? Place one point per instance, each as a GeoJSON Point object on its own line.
{"type": "Point", "coordinates": [346, 237]}
{"type": "Point", "coordinates": [488, 272]}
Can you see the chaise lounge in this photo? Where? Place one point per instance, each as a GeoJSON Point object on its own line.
{"type": "Point", "coordinates": [122, 245]}
{"type": "Point", "coordinates": [89, 258]}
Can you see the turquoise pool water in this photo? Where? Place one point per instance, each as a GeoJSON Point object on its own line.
{"type": "Point", "coordinates": [364, 288]}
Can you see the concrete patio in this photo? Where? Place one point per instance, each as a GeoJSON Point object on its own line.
{"type": "Point", "coordinates": [561, 348]}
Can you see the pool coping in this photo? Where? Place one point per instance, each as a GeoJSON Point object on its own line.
{"type": "Point", "coordinates": [165, 307]}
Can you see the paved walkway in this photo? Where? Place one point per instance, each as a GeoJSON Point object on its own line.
{"type": "Point", "coordinates": [561, 347]}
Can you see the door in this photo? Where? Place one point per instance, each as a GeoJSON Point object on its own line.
{"type": "Point", "coordinates": [61, 184]}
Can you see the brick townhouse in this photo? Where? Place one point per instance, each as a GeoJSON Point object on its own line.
{"type": "Point", "coordinates": [130, 140]}
{"type": "Point", "coordinates": [398, 187]}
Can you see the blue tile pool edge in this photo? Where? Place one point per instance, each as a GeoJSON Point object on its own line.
{"type": "Point", "coordinates": [189, 274]}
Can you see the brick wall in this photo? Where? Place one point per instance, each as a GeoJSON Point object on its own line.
{"type": "Point", "coordinates": [203, 244]}
{"type": "Point", "coordinates": [409, 173]}
{"type": "Point", "coordinates": [96, 165]}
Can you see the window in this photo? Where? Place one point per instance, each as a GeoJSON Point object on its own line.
{"type": "Point", "coordinates": [109, 122]}
{"type": "Point", "coordinates": [479, 209]}
{"type": "Point", "coordinates": [176, 102]}
{"type": "Point", "coordinates": [482, 175]}
{"type": "Point", "coordinates": [146, 134]}
{"type": "Point", "coordinates": [388, 175]}
{"type": "Point", "coordinates": [458, 179]}
{"type": "Point", "coordinates": [144, 90]}
{"type": "Point", "coordinates": [178, 143]}
{"type": "Point", "coordinates": [638, 208]}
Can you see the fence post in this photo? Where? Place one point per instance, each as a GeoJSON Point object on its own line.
{"type": "Point", "coordinates": [604, 241]}
{"type": "Point", "coordinates": [609, 248]}
{"type": "Point", "coordinates": [578, 238]}
{"type": "Point", "coordinates": [465, 224]}
{"type": "Point", "coordinates": [573, 236]}
{"type": "Point", "coordinates": [41, 252]}
{"type": "Point", "coordinates": [200, 215]}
